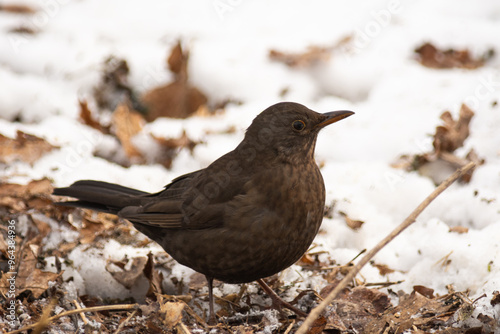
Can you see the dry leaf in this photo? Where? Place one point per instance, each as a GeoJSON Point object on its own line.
{"type": "Point", "coordinates": [312, 56]}
{"type": "Point", "coordinates": [126, 124]}
{"type": "Point", "coordinates": [318, 325]}
{"type": "Point", "coordinates": [173, 313]}
{"type": "Point", "coordinates": [430, 56]}
{"type": "Point", "coordinates": [154, 277]}
{"type": "Point", "coordinates": [459, 229]}
{"type": "Point", "coordinates": [24, 147]}
{"type": "Point", "coordinates": [17, 198]}
{"type": "Point", "coordinates": [170, 147]}
{"type": "Point", "coordinates": [29, 277]}
{"type": "Point", "coordinates": [424, 291]}
{"type": "Point", "coordinates": [383, 269]}
{"type": "Point", "coordinates": [356, 308]}
{"type": "Point", "coordinates": [416, 311]}
{"type": "Point", "coordinates": [442, 161]}
{"type": "Point", "coordinates": [178, 99]}
{"type": "Point", "coordinates": [452, 134]}
{"type": "Point", "coordinates": [353, 224]}
{"type": "Point", "coordinates": [86, 118]}
{"type": "Point", "coordinates": [495, 300]}
{"type": "Point", "coordinates": [127, 278]}
{"type": "Point", "coordinates": [17, 9]}
{"type": "Point", "coordinates": [178, 60]}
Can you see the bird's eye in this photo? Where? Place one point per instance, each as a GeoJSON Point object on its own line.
{"type": "Point", "coordinates": [299, 125]}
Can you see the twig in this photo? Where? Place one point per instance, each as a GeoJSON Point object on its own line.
{"type": "Point", "coordinates": [125, 322]}
{"type": "Point", "coordinates": [89, 309]}
{"type": "Point", "coordinates": [288, 330]}
{"type": "Point", "coordinates": [82, 315]}
{"type": "Point", "coordinates": [316, 312]}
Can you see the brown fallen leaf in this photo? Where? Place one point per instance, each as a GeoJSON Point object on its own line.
{"type": "Point", "coordinates": [442, 161]}
{"type": "Point", "coordinates": [17, 198]}
{"type": "Point", "coordinates": [170, 147]}
{"type": "Point", "coordinates": [318, 325]}
{"type": "Point", "coordinates": [28, 277]}
{"type": "Point", "coordinates": [154, 277]}
{"type": "Point", "coordinates": [383, 269]}
{"type": "Point", "coordinates": [352, 223]}
{"type": "Point", "coordinates": [495, 300]}
{"type": "Point", "coordinates": [127, 278]}
{"type": "Point", "coordinates": [424, 291]}
{"type": "Point", "coordinates": [86, 118]}
{"type": "Point", "coordinates": [17, 9]}
{"type": "Point", "coordinates": [177, 99]}
{"type": "Point", "coordinates": [431, 56]}
{"type": "Point", "coordinates": [313, 55]}
{"type": "Point", "coordinates": [23, 30]}
{"type": "Point", "coordinates": [173, 313]}
{"type": "Point", "coordinates": [356, 308]}
{"type": "Point", "coordinates": [24, 147]}
{"type": "Point", "coordinates": [459, 229]}
{"type": "Point", "coordinates": [126, 124]}
{"type": "Point", "coordinates": [452, 134]}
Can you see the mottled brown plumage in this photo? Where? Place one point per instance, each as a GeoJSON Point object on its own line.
{"type": "Point", "coordinates": [250, 214]}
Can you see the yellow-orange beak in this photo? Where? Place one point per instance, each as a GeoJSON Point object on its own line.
{"type": "Point", "coordinates": [334, 116]}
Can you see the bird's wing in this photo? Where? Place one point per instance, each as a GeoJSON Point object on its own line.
{"type": "Point", "coordinates": [162, 209]}
{"type": "Point", "coordinates": [198, 200]}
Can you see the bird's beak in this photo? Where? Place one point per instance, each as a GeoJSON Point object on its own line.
{"type": "Point", "coordinates": [334, 116]}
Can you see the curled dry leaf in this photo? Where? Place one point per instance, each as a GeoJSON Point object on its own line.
{"type": "Point", "coordinates": [452, 134]}
{"type": "Point", "coordinates": [313, 55]}
{"type": "Point", "coordinates": [356, 308]}
{"type": "Point", "coordinates": [417, 312]}
{"type": "Point", "coordinates": [87, 118]}
{"type": "Point", "coordinates": [459, 229]}
{"type": "Point", "coordinates": [424, 291]}
{"type": "Point", "coordinates": [495, 300]}
{"type": "Point", "coordinates": [126, 124]}
{"type": "Point", "coordinates": [383, 269]}
{"type": "Point", "coordinates": [442, 161]}
{"type": "Point", "coordinates": [178, 99]}
{"type": "Point", "coordinates": [173, 313]}
{"type": "Point", "coordinates": [24, 147]}
{"type": "Point", "coordinates": [154, 277]}
{"type": "Point", "coordinates": [17, 9]}
{"type": "Point", "coordinates": [127, 277]}
{"type": "Point", "coordinates": [27, 276]}
{"type": "Point", "coordinates": [170, 147]}
{"type": "Point", "coordinates": [352, 223]}
{"type": "Point", "coordinates": [17, 198]}
{"type": "Point", "coordinates": [431, 56]}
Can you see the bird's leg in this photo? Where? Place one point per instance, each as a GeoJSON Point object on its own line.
{"type": "Point", "coordinates": [277, 302]}
{"type": "Point", "coordinates": [211, 320]}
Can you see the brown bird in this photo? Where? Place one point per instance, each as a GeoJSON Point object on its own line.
{"type": "Point", "coordinates": [250, 214]}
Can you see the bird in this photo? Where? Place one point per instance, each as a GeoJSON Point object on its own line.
{"type": "Point", "coordinates": [248, 215]}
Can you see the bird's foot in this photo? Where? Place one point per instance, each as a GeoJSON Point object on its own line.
{"type": "Point", "coordinates": [277, 302]}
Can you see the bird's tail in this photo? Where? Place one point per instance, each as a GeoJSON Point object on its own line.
{"type": "Point", "coordinates": [101, 196]}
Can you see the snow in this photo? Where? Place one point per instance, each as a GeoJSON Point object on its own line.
{"type": "Point", "coordinates": [396, 100]}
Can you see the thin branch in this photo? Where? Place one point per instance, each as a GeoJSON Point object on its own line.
{"type": "Point", "coordinates": [125, 322]}
{"type": "Point", "coordinates": [316, 312]}
{"type": "Point", "coordinates": [80, 310]}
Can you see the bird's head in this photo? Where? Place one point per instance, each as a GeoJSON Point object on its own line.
{"type": "Point", "coordinates": [289, 130]}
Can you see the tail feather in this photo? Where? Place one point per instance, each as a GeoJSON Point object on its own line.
{"type": "Point", "coordinates": [101, 196]}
